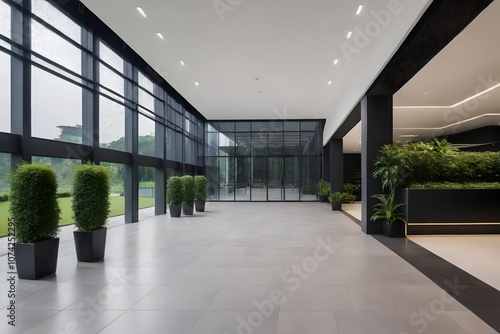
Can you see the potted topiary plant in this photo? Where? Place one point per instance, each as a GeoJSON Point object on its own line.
{"type": "Point", "coordinates": [36, 213]}
{"type": "Point", "coordinates": [200, 192]}
{"type": "Point", "coordinates": [388, 211]}
{"type": "Point", "coordinates": [175, 196]}
{"type": "Point", "coordinates": [323, 190]}
{"type": "Point", "coordinates": [90, 206]}
{"type": "Point", "coordinates": [189, 194]}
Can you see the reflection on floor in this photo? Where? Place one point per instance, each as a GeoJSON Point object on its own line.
{"type": "Point", "coordinates": [263, 268]}
{"type": "Point", "coordinates": [264, 194]}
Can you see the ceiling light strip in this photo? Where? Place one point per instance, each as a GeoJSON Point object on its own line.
{"type": "Point", "coordinates": [452, 124]}
{"type": "Point", "coordinates": [452, 106]}
{"type": "Point", "coordinates": [142, 12]}
{"type": "Point", "coordinates": [360, 8]}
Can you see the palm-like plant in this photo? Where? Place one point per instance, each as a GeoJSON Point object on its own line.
{"type": "Point", "coordinates": [387, 209]}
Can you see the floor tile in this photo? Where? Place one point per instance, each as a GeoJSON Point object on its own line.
{"type": "Point", "coordinates": [397, 322]}
{"type": "Point", "coordinates": [310, 322]}
{"type": "Point", "coordinates": [315, 298]}
{"type": "Point", "coordinates": [178, 297]}
{"type": "Point", "coordinates": [246, 297]}
{"type": "Point", "coordinates": [229, 322]}
{"type": "Point", "coordinates": [76, 321]}
{"type": "Point", "coordinates": [178, 322]}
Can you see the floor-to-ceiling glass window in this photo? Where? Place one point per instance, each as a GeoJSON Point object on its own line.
{"type": "Point", "coordinates": [262, 160]}
{"type": "Point", "coordinates": [61, 80]}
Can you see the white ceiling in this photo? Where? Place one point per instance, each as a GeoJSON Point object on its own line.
{"type": "Point", "coordinates": [437, 101]}
{"type": "Point", "coordinates": [289, 45]}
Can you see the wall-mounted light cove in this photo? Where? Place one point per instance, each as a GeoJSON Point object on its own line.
{"type": "Point", "coordinates": [182, 63]}
{"type": "Point", "coordinates": [196, 83]}
{"type": "Point", "coordinates": [335, 61]}
{"type": "Point", "coordinates": [349, 34]}
{"type": "Point", "coordinates": [160, 36]}
{"type": "Point", "coordinates": [408, 136]}
{"type": "Point", "coordinates": [360, 8]}
{"type": "Point", "coordinates": [142, 12]}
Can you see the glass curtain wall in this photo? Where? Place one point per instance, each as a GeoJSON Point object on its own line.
{"type": "Point", "coordinates": [72, 93]}
{"type": "Point", "coordinates": [262, 160]}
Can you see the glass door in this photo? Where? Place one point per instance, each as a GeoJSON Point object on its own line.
{"type": "Point", "coordinates": [258, 188]}
{"type": "Point", "coordinates": [275, 181]}
{"type": "Point", "coordinates": [292, 179]}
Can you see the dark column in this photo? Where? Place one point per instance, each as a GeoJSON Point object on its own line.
{"type": "Point", "coordinates": [132, 145]}
{"type": "Point", "coordinates": [376, 118]}
{"type": "Point", "coordinates": [326, 163]}
{"type": "Point", "coordinates": [160, 144]}
{"type": "Point", "coordinates": [336, 165]}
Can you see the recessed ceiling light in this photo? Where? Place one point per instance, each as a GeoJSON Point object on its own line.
{"type": "Point", "coordinates": [425, 93]}
{"type": "Point", "coordinates": [143, 13]}
{"type": "Point", "coordinates": [360, 8]}
{"type": "Point", "coordinates": [260, 92]}
{"type": "Point", "coordinates": [329, 82]}
{"type": "Point", "coordinates": [160, 35]}
{"type": "Point", "coordinates": [196, 83]}
{"type": "Point", "coordinates": [349, 34]}
{"type": "Point", "coordinates": [335, 61]}
{"type": "Point", "coordinates": [182, 63]}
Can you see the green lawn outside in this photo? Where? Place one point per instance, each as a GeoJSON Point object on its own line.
{"type": "Point", "coordinates": [117, 208]}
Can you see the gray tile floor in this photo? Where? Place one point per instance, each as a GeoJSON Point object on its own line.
{"type": "Point", "coordinates": [286, 268]}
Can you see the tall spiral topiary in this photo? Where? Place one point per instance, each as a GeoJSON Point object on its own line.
{"type": "Point", "coordinates": [90, 201]}
{"type": "Point", "coordinates": [34, 205]}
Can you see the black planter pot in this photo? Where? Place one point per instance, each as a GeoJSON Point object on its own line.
{"type": "Point", "coordinates": [336, 206]}
{"type": "Point", "coordinates": [394, 230]}
{"type": "Point", "coordinates": [323, 199]}
{"type": "Point", "coordinates": [90, 246]}
{"type": "Point", "coordinates": [187, 209]}
{"type": "Point", "coordinates": [175, 210]}
{"type": "Point", "coordinates": [199, 206]}
{"type": "Point", "coordinates": [38, 259]}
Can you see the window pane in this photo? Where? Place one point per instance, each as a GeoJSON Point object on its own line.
{"type": "Point", "coordinates": [190, 151]}
{"type": "Point", "coordinates": [117, 199]}
{"type": "Point", "coordinates": [309, 143]}
{"type": "Point", "coordinates": [4, 19]}
{"type": "Point", "coordinates": [146, 191]}
{"type": "Point", "coordinates": [146, 136]}
{"type": "Point", "coordinates": [58, 20]}
{"type": "Point", "coordinates": [56, 107]}
{"type": "Point", "coordinates": [52, 46]}
{"type": "Point", "coordinates": [146, 100]}
{"type": "Point", "coordinates": [309, 126]}
{"type": "Point", "coordinates": [111, 124]}
{"type": "Point", "coordinates": [4, 92]}
{"type": "Point", "coordinates": [174, 145]}
{"type": "Point", "coordinates": [110, 57]}
{"type": "Point", "coordinates": [4, 173]}
{"type": "Point", "coordinates": [145, 83]}
{"type": "Point", "coordinates": [111, 80]}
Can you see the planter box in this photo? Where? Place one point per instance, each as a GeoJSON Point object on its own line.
{"type": "Point", "coordinates": [36, 260]}
{"type": "Point", "coordinates": [90, 246]}
{"type": "Point", "coordinates": [451, 210]}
